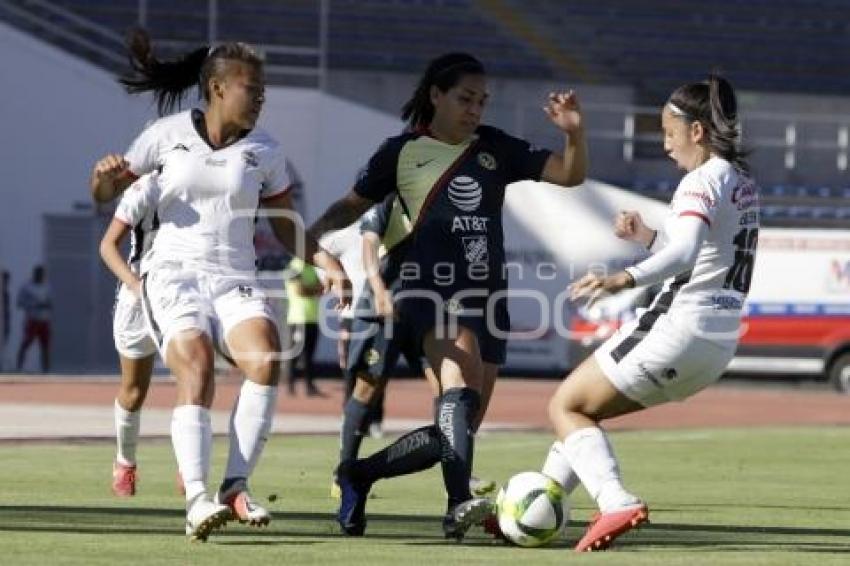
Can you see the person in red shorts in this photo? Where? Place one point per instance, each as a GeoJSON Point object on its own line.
{"type": "Point", "coordinates": [34, 299]}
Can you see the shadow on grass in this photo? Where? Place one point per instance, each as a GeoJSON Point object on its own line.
{"type": "Point", "coordinates": [417, 530]}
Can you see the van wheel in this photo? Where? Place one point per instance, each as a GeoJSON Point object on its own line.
{"type": "Point", "coordinates": [839, 373]}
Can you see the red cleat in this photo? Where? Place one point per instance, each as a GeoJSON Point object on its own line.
{"type": "Point", "coordinates": [123, 480]}
{"type": "Point", "coordinates": [605, 527]}
{"type": "Point", "coordinates": [492, 528]}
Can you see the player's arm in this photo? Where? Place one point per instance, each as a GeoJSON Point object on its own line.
{"type": "Point", "coordinates": [302, 244]}
{"type": "Point", "coordinates": [110, 252]}
{"type": "Point", "coordinates": [340, 214]}
{"type": "Point", "coordinates": [570, 167]}
{"type": "Point", "coordinates": [371, 264]}
{"type": "Point", "coordinates": [110, 176]}
{"type": "Point", "coordinates": [686, 235]}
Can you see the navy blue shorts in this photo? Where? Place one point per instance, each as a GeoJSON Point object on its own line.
{"type": "Point", "coordinates": [423, 315]}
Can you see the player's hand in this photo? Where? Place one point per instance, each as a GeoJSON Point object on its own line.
{"type": "Point", "coordinates": [110, 168]}
{"type": "Point", "coordinates": [384, 304]}
{"type": "Point", "coordinates": [629, 225]}
{"type": "Point", "coordinates": [564, 111]}
{"type": "Point", "coordinates": [594, 286]}
{"type": "Point", "coordinates": [335, 281]}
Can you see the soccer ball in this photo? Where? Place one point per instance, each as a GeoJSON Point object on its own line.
{"type": "Point", "coordinates": [533, 509]}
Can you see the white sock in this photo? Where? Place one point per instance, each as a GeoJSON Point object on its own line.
{"type": "Point", "coordinates": [558, 467]}
{"type": "Point", "coordinates": [191, 436]}
{"type": "Point", "coordinates": [593, 461]}
{"type": "Point", "coordinates": [250, 423]}
{"type": "Point", "coordinates": [126, 434]}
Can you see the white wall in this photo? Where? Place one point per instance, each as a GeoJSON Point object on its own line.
{"type": "Point", "coordinates": [60, 114]}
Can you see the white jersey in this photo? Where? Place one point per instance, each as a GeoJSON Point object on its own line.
{"type": "Point", "coordinates": [138, 210]}
{"type": "Point", "coordinates": [728, 202]}
{"type": "Point", "coordinates": [208, 197]}
{"type": "Point", "coordinates": [347, 246]}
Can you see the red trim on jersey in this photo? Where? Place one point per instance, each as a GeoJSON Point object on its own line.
{"type": "Point", "coordinates": [699, 215]}
{"type": "Point", "coordinates": [279, 194]}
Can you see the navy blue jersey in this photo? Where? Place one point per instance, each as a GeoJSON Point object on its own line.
{"type": "Point", "coordinates": [453, 195]}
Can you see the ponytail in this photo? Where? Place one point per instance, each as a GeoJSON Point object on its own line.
{"type": "Point", "coordinates": [444, 72]}
{"type": "Point", "coordinates": [714, 105]}
{"type": "Point", "coordinates": [169, 80]}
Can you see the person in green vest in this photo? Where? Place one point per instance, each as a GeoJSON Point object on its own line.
{"type": "Point", "coordinates": [303, 290]}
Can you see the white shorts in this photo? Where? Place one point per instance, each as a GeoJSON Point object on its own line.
{"type": "Point", "coordinates": [176, 300]}
{"type": "Point", "coordinates": [129, 330]}
{"type": "Point", "coordinates": [665, 363]}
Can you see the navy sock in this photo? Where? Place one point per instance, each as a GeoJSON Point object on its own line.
{"type": "Point", "coordinates": [353, 416]}
{"type": "Point", "coordinates": [458, 408]}
{"type": "Point", "coordinates": [413, 452]}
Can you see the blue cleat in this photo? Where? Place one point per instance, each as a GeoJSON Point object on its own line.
{"type": "Point", "coordinates": [352, 506]}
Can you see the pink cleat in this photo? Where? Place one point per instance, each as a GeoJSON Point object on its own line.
{"type": "Point", "coordinates": [242, 506]}
{"type": "Point", "coordinates": [605, 527]}
{"type": "Point", "coordinates": [123, 480]}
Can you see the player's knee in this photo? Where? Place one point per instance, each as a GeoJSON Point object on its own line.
{"type": "Point", "coordinates": [365, 388]}
{"type": "Point", "coordinates": [132, 397]}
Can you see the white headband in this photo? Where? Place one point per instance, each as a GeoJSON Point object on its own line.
{"type": "Point", "coordinates": [676, 110]}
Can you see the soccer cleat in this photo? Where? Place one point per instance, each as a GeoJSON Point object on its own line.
{"type": "Point", "coordinates": [605, 527]}
{"type": "Point", "coordinates": [481, 487]}
{"type": "Point", "coordinates": [471, 512]}
{"type": "Point", "coordinates": [242, 506]}
{"type": "Point", "coordinates": [203, 517]}
{"type": "Point", "coordinates": [351, 515]}
{"type": "Point", "coordinates": [123, 479]}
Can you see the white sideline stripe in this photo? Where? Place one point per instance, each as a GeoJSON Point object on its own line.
{"type": "Point", "coordinates": [776, 365]}
{"type": "Point", "coordinates": [25, 421]}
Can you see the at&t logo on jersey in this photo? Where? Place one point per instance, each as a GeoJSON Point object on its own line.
{"type": "Point", "coordinates": [469, 224]}
{"type": "Point", "coordinates": [465, 193]}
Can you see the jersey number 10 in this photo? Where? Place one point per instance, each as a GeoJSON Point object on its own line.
{"type": "Point", "coordinates": [739, 275]}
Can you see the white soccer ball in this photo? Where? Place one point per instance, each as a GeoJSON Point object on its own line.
{"type": "Point", "coordinates": [533, 509]}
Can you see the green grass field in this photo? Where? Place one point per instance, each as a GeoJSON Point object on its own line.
{"type": "Point", "coordinates": [760, 496]}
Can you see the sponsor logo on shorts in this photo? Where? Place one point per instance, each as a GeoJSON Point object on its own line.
{"type": "Point", "coordinates": [487, 161]}
{"type": "Point", "coordinates": [644, 371]}
{"type": "Point", "coordinates": [373, 357]}
{"type": "Point", "coordinates": [245, 290]}
{"type": "Point", "coordinates": [475, 249]}
{"type": "Point", "coordinates": [465, 193]}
